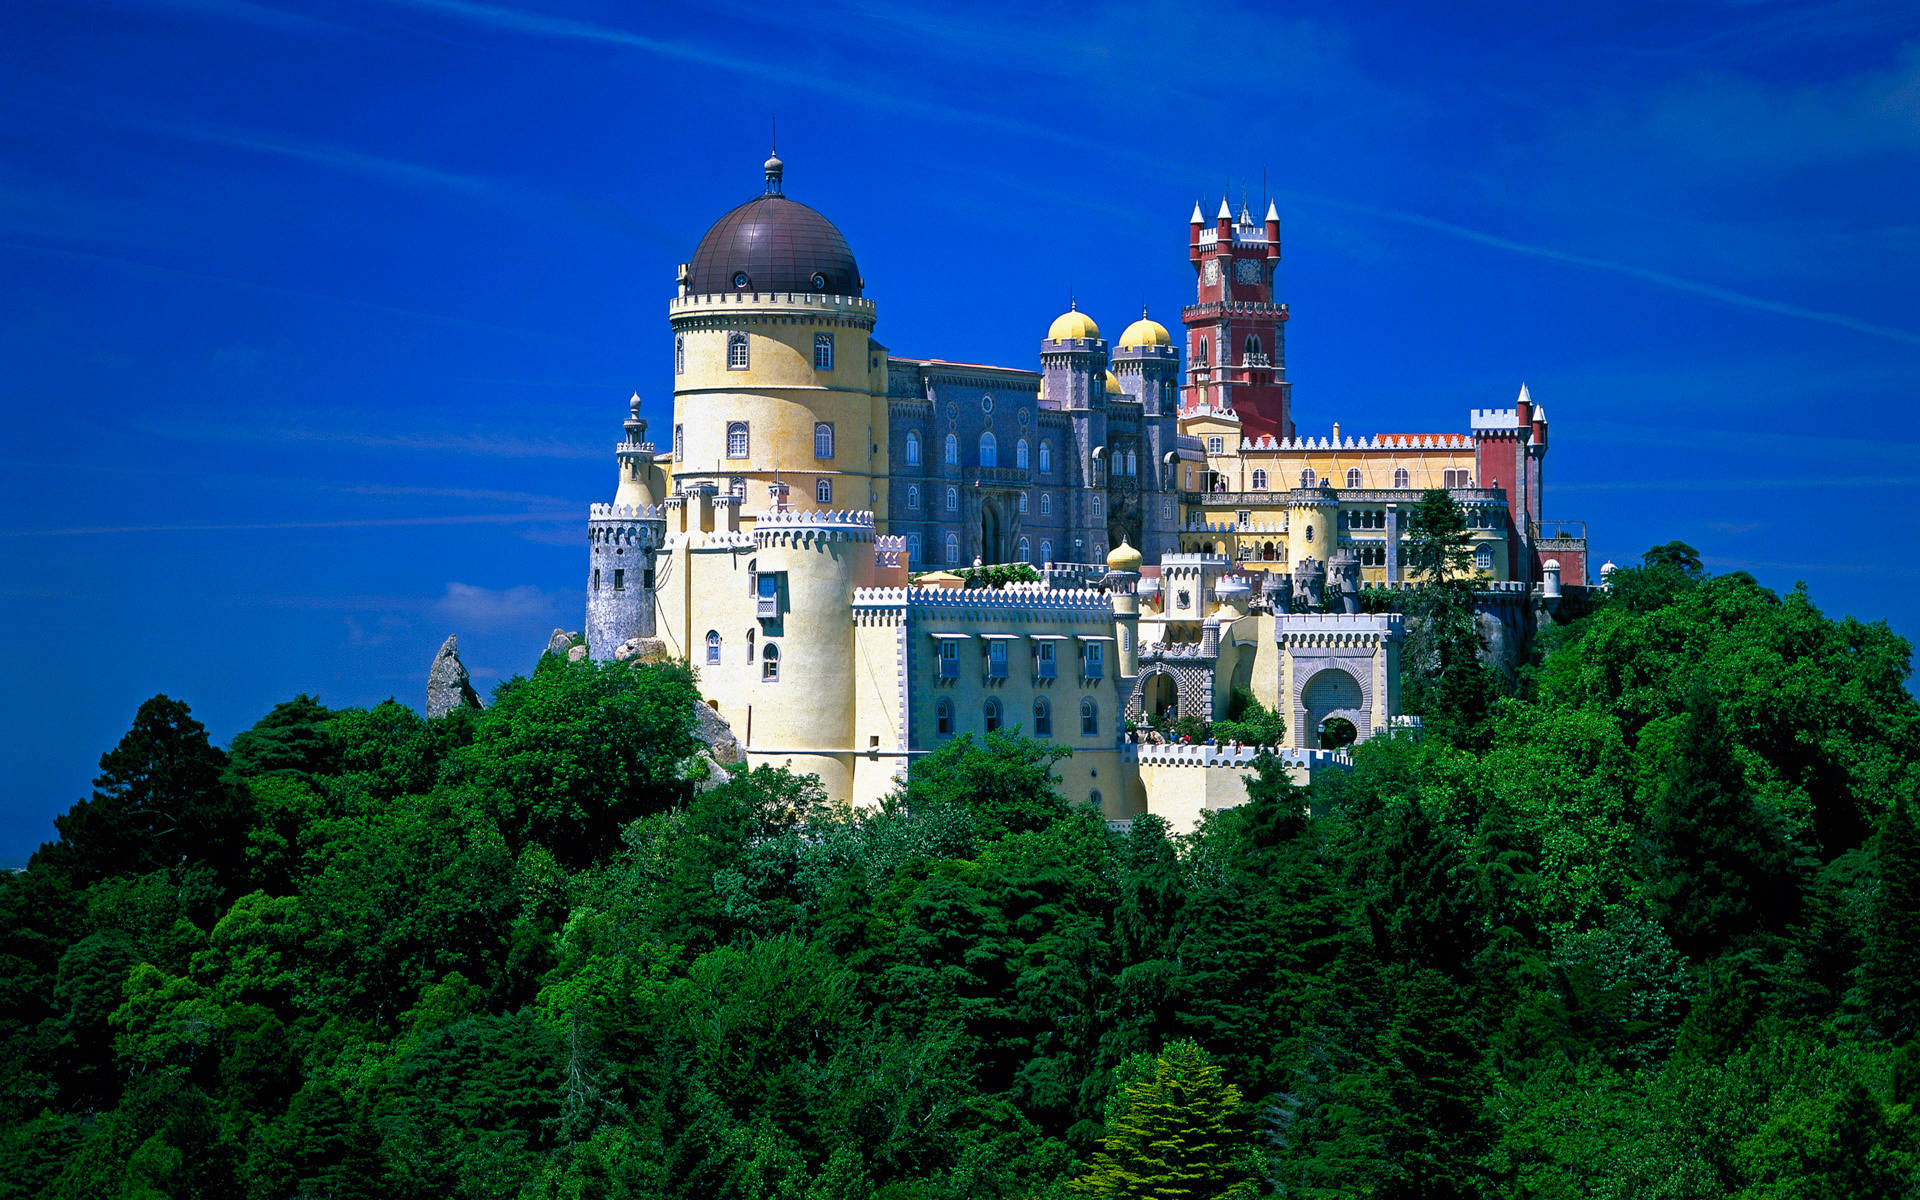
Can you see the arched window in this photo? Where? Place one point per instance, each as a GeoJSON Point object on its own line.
{"type": "Point", "coordinates": [943, 717]}
{"type": "Point", "coordinates": [1023, 504]}
{"type": "Point", "coordinates": [823, 491]}
{"type": "Point", "coordinates": [993, 713]}
{"type": "Point", "coordinates": [1308, 478]}
{"type": "Point", "coordinates": [1133, 463]}
{"type": "Point", "coordinates": [1020, 454]}
{"type": "Point", "coordinates": [1309, 533]}
{"type": "Point", "coordinates": [1089, 717]}
{"type": "Point", "coordinates": [1400, 477]}
{"type": "Point", "coordinates": [1093, 798]}
{"type": "Point", "coordinates": [823, 352]}
{"type": "Point", "coordinates": [1098, 504]}
{"type": "Point", "coordinates": [1042, 718]}
{"type": "Point", "coordinates": [1259, 479]}
{"type": "Point", "coordinates": [679, 354]}
{"type": "Point", "coordinates": [679, 443]}
{"type": "Point", "coordinates": [749, 647]}
{"type": "Point", "coordinates": [1253, 346]}
{"type": "Point", "coordinates": [1200, 358]}
{"type": "Point", "coordinates": [1046, 553]}
{"type": "Point", "coordinates": [736, 439]}
{"type": "Point", "coordinates": [1046, 455]}
{"type": "Point", "coordinates": [1046, 504]}
{"type": "Point", "coordinates": [1353, 477]}
{"type": "Point", "coordinates": [989, 451]}
{"type": "Point", "coordinates": [953, 500]}
{"type": "Point", "coordinates": [770, 662]}
{"type": "Point", "coordinates": [1026, 550]}
{"type": "Point", "coordinates": [737, 488]}
{"type": "Point", "coordinates": [913, 547]}
{"type": "Point", "coordinates": [913, 449]}
{"type": "Point", "coordinates": [822, 439]}
{"type": "Point", "coordinates": [1483, 557]}
{"type": "Point", "coordinates": [953, 451]}
{"type": "Point", "coordinates": [913, 495]}
{"type": "Point", "coordinates": [953, 547]}
{"type": "Point", "coordinates": [713, 645]}
{"type": "Point", "coordinates": [736, 352]}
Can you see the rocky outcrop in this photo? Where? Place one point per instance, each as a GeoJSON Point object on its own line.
{"type": "Point", "coordinates": [577, 653]}
{"type": "Point", "coordinates": [641, 649]}
{"type": "Point", "coordinates": [448, 687]}
{"type": "Point", "coordinates": [711, 730]}
{"type": "Point", "coordinates": [561, 642]}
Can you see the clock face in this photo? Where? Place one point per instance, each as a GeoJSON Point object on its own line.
{"type": "Point", "coordinates": [1246, 270]}
{"type": "Point", "coordinates": [1210, 273]}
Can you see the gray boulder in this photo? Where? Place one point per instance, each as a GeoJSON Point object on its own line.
{"type": "Point", "coordinates": [560, 642]}
{"type": "Point", "coordinates": [641, 649]}
{"type": "Point", "coordinates": [448, 687]}
{"type": "Point", "coordinates": [576, 654]}
{"type": "Point", "coordinates": [711, 730]}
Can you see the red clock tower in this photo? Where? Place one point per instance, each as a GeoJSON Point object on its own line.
{"type": "Point", "coordinates": [1236, 333]}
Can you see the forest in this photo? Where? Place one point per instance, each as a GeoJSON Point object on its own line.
{"type": "Point", "coordinates": [1638, 919]}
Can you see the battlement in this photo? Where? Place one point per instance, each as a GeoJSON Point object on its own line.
{"type": "Point", "coordinates": [1196, 562]}
{"type": "Point", "coordinates": [1200, 526]}
{"type": "Point", "coordinates": [645, 448]}
{"type": "Point", "coordinates": [770, 302]}
{"type": "Point", "coordinates": [1161, 651]}
{"type": "Point", "coordinates": [1211, 410]}
{"type": "Point", "coordinates": [1251, 236]}
{"type": "Point", "coordinates": [627, 512]}
{"type": "Point", "coordinates": [1494, 419]}
{"type": "Point", "coordinates": [1392, 441]}
{"type": "Point", "coordinates": [1481, 587]}
{"type": "Point", "coordinates": [821, 518]}
{"type": "Point", "coordinates": [1010, 600]}
{"type": "Point", "coordinates": [1150, 755]}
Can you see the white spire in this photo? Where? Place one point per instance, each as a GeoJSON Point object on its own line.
{"type": "Point", "coordinates": [1273, 213]}
{"type": "Point", "coordinates": [1526, 397]}
{"type": "Point", "coordinates": [1540, 412]}
{"type": "Point", "coordinates": [1197, 218]}
{"type": "Point", "coordinates": [1226, 214]}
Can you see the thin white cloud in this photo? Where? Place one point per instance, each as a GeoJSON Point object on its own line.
{"type": "Point", "coordinates": [1764, 483]}
{"type": "Point", "coordinates": [358, 523]}
{"type": "Point", "coordinates": [479, 608]}
{"type": "Point", "coordinates": [1644, 274]}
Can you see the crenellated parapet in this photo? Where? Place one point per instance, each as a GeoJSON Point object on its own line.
{"type": "Point", "coordinates": [725, 310]}
{"type": "Point", "coordinates": [1339, 629]}
{"type": "Point", "coordinates": [629, 512]}
{"type": "Point", "coordinates": [1148, 754]}
{"type": "Point", "coordinates": [1380, 442]}
{"type": "Point", "coordinates": [990, 602]}
{"type": "Point", "coordinates": [804, 527]}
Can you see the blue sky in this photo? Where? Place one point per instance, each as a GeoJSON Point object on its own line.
{"type": "Point", "coordinates": [318, 320]}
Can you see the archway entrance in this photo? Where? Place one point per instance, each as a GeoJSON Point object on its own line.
{"type": "Point", "coordinates": [1335, 708]}
{"type": "Point", "coordinates": [1158, 697]}
{"type": "Point", "coordinates": [992, 534]}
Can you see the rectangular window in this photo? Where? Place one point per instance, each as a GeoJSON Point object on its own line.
{"type": "Point", "coordinates": [736, 352]}
{"type": "Point", "coordinates": [767, 598]}
{"type": "Point", "coordinates": [950, 659]}
{"type": "Point", "coordinates": [619, 579]}
{"type": "Point", "coordinates": [997, 659]}
{"type": "Point", "coordinates": [1096, 661]}
{"type": "Point", "coordinates": [596, 579]}
{"type": "Point", "coordinates": [823, 352]}
{"type": "Point", "coordinates": [1048, 667]}
{"type": "Point", "coordinates": [736, 439]}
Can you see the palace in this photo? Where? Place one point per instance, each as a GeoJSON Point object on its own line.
{"type": "Point", "coordinates": [1189, 541]}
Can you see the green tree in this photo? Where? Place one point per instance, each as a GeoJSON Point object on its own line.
{"type": "Point", "coordinates": [1891, 975]}
{"type": "Point", "coordinates": [1182, 1135]}
{"type": "Point", "coordinates": [1005, 782]}
{"type": "Point", "coordinates": [293, 739]}
{"type": "Point", "coordinates": [1439, 546]}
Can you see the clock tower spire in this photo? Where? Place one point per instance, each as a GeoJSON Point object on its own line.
{"type": "Point", "coordinates": [1236, 332]}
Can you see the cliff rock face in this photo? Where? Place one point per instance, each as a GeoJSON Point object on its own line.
{"type": "Point", "coordinates": [447, 684]}
{"type": "Point", "coordinates": [711, 729]}
{"type": "Point", "coordinates": [560, 642]}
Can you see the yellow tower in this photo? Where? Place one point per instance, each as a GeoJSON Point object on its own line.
{"type": "Point", "coordinates": [1123, 576]}
{"type": "Point", "coordinates": [776, 373]}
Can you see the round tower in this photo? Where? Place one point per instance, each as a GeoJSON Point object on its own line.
{"type": "Point", "coordinates": [1123, 577]}
{"type": "Point", "coordinates": [622, 538]}
{"type": "Point", "coordinates": [776, 373]}
{"type": "Point", "coordinates": [808, 562]}
{"type": "Point", "coordinates": [1313, 519]}
{"type": "Point", "coordinates": [1148, 366]}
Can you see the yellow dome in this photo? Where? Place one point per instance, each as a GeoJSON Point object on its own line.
{"type": "Point", "coordinates": [1123, 558]}
{"type": "Point", "coordinates": [1072, 324]}
{"type": "Point", "coordinates": [1146, 332]}
{"type": "Point", "coordinates": [1113, 386]}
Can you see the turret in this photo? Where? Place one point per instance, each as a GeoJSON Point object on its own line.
{"type": "Point", "coordinates": [622, 539]}
{"type": "Point", "coordinates": [1343, 574]}
{"type": "Point", "coordinates": [1273, 232]}
{"type": "Point", "coordinates": [1122, 579]}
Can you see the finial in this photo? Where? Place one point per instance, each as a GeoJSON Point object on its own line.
{"type": "Point", "coordinates": [774, 165]}
{"type": "Point", "coordinates": [633, 405]}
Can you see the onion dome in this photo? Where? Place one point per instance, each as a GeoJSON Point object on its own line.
{"type": "Point", "coordinates": [773, 244]}
{"type": "Point", "coordinates": [1072, 324]}
{"type": "Point", "coordinates": [1123, 558]}
{"type": "Point", "coordinates": [1113, 386]}
{"type": "Point", "coordinates": [1145, 332]}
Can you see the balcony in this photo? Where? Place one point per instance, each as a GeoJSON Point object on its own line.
{"type": "Point", "coordinates": [949, 668]}
{"type": "Point", "coordinates": [1046, 668]}
{"type": "Point", "coordinates": [767, 607]}
{"type": "Point", "coordinates": [996, 476]}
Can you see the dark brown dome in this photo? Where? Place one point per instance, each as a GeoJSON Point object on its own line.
{"type": "Point", "coordinates": [773, 244]}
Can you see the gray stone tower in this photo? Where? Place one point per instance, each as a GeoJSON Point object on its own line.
{"type": "Point", "coordinates": [622, 539]}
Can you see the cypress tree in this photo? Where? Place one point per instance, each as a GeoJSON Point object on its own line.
{"type": "Point", "coordinates": [1183, 1136]}
{"type": "Point", "coordinates": [1892, 967]}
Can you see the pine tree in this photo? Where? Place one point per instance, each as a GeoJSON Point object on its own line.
{"type": "Point", "coordinates": [1892, 968]}
{"type": "Point", "coordinates": [1183, 1136]}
